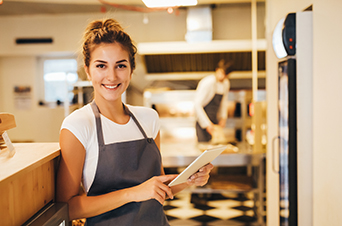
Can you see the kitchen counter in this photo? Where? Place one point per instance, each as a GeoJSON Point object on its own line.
{"type": "Point", "coordinates": [28, 156]}
{"type": "Point", "coordinates": [182, 154]}
{"type": "Point", "coordinates": [27, 180]}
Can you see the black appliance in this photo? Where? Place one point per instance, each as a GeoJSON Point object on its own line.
{"type": "Point", "coordinates": [285, 49]}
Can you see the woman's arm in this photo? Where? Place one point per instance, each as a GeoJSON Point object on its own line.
{"type": "Point", "coordinates": [205, 91]}
{"type": "Point", "coordinates": [223, 111]}
{"type": "Point", "coordinates": [82, 206]}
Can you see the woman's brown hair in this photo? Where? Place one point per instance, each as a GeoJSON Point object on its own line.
{"type": "Point", "coordinates": [107, 31]}
{"type": "Point", "coordinates": [226, 66]}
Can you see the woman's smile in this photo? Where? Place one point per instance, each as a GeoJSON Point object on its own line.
{"type": "Point", "coordinates": [109, 71]}
{"type": "Point", "coordinates": [111, 86]}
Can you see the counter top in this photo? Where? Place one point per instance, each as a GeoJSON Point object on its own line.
{"type": "Point", "coordinates": [182, 154]}
{"type": "Point", "coordinates": [27, 157]}
{"type": "Point", "coordinates": [31, 155]}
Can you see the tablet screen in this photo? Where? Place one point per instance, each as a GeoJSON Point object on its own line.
{"type": "Point", "coordinates": [206, 157]}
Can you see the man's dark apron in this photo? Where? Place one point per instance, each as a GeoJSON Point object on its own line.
{"type": "Point", "coordinates": [123, 165]}
{"type": "Point", "coordinates": [211, 110]}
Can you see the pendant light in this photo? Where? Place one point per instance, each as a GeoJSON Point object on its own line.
{"type": "Point", "coordinates": [168, 3]}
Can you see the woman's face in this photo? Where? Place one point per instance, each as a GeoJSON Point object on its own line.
{"type": "Point", "coordinates": [109, 71]}
{"type": "Point", "coordinates": [220, 75]}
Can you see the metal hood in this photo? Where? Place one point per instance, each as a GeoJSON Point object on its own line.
{"type": "Point", "coordinates": [199, 54]}
{"type": "Point", "coordinates": [199, 57]}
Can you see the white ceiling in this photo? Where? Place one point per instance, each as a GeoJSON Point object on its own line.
{"type": "Point", "coordinates": [129, 2]}
{"type": "Point", "coordinates": [31, 7]}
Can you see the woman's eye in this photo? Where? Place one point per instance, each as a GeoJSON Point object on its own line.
{"type": "Point", "coordinates": [100, 66]}
{"type": "Point", "coordinates": [121, 66]}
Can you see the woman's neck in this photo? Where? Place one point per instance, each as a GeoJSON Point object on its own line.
{"type": "Point", "coordinates": [113, 111]}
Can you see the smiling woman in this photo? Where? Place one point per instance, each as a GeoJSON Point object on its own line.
{"type": "Point", "coordinates": [110, 73]}
{"type": "Point", "coordinates": [112, 148]}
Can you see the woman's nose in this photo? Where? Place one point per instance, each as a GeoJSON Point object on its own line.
{"type": "Point", "coordinates": [111, 74]}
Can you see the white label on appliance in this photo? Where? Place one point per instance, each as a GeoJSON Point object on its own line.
{"type": "Point", "coordinates": [8, 144]}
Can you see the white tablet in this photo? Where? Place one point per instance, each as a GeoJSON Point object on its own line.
{"type": "Point", "coordinates": [206, 157]}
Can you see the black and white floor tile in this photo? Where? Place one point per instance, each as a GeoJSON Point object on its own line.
{"type": "Point", "coordinates": [233, 209]}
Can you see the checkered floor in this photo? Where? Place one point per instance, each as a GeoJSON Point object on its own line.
{"type": "Point", "coordinates": [231, 209]}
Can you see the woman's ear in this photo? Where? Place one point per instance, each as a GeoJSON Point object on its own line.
{"type": "Point", "coordinates": [86, 69]}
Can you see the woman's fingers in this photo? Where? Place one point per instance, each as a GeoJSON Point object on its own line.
{"type": "Point", "coordinates": [159, 195]}
{"type": "Point", "coordinates": [165, 180]}
{"type": "Point", "coordinates": [202, 176]}
{"type": "Point", "coordinates": [156, 188]}
{"type": "Point", "coordinates": [207, 168]}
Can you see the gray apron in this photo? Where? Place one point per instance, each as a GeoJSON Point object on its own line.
{"type": "Point", "coordinates": [211, 110]}
{"type": "Point", "coordinates": [123, 165]}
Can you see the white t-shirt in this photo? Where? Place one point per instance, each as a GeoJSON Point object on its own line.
{"type": "Point", "coordinates": [205, 92]}
{"type": "Point", "coordinates": [82, 124]}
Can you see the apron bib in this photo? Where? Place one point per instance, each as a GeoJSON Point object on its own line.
{"type": "Point", "coordinates": [123, 165]}
{"type": "Point", "coordinates": [211, 110]}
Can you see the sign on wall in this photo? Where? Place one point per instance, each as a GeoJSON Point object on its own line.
{"type": "Point", "coordinates": [22, 97]}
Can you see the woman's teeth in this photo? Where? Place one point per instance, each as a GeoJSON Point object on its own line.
{"type": "Point", "coordinates": [111, 87]}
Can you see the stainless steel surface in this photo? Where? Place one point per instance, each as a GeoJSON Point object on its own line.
{"type": "Point", "coordinates": [180, 153]}
{"type": "Point", "coordinates": [231, 160]}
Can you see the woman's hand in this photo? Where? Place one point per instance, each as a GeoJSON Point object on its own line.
{"type": "Point", "coordinates": [222, 123]}
{"type": "Point", "coordinates": [154, 188]}
{"type": "Point", "coordinates": [201, 177]}
{"type": "Point", "coordinates": [210, 129]}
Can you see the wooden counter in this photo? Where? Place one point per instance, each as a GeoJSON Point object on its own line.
{"type": "Point", "coordinates": [27, 180]}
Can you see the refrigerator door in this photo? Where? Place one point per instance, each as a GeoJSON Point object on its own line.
{"type": "Point", "coordinates": [287, 143]}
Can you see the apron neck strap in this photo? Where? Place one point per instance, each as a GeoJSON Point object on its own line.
{"type": "Point", "coordinates": [135, 120]}
{"type": "Point", "coordinates": [99, 133]}
{"type": "Point", "coordinates": [99, 124]}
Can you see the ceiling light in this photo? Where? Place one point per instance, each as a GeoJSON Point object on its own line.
{"type": "Point", "coordinates": [168, 3]}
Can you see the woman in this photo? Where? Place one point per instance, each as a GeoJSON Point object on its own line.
{"type": "Point", "coordinates": [211, 101]}
{"type": "Point", "coordinates": [110, 148]}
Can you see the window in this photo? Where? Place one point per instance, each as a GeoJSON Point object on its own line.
{"type": "Point", "coordinates": [59, 77]}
